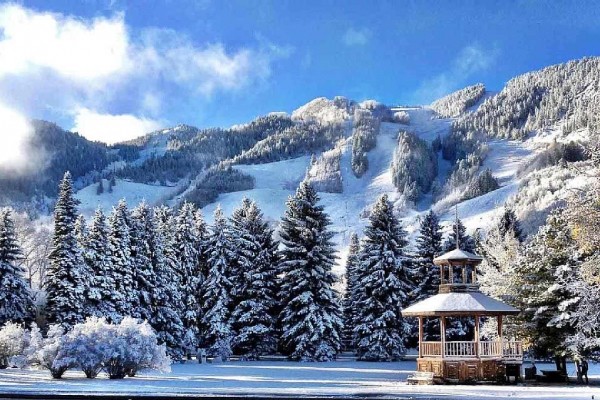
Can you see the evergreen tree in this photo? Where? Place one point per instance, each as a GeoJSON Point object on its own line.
{"type": "Point", "coordinates": [254, 317]}
{"type": "Point", "coordinates": [144, 248]}
{"type": "Point", "coordinates": [465, 241]}
{"type": "Point", "coordinates": [215, 328]}
{"type": "Point", "coordinates": [349, 301]}
{"type": "Point", "coordinates": [509, 224]}
{"type": "Point", "coordinates": [427, 275]}
{"type": "Point", "coordinates": [311, 317]}
{"type": "Point", "coordinates": [384, 280]}
{"type": "Point", "coordinates": [65, 284]}
{"type": "Point", "coordinates": [166, 318]}
{"type": "Point", "coordinates": [187, 246]}
{"type": "Point", "coordinates": [100, 188]}
{"type": "Point", "coordinates": [549, 261]}
{"type": "Point", "coordinates": [102, 281]}
{"type": "Point", "coordinates": [119, 239]}
{"type": "Point", "coordinates": [16, 303]}
{"type": "Point", "coordinates": [81, 233]}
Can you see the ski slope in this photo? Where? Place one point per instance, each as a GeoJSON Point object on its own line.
{"type": "Point", "coordinates": [348, 210]}
{"type": "Point", "coordinates": [132, 192]}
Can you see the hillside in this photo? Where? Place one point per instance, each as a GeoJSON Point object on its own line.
{"type": "Point", "coordinates": [524, 146]}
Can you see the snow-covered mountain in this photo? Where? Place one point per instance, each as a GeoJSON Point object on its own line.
{"type": "Point", "coordinates": [524, 146]}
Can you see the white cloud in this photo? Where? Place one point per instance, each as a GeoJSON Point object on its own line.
{"type": "Point", "coordinates": [51, 61]}
{"type": "Point", "coordinates": [15, 132]}
{"type": "Point", "coordinates": [112, 128]}
{"type": "Point", "coordinates": [471, 59]}
{"type": "Point", "coordinates": [80, 50]}
{"type": "Point", "coordinates": [356, 37]}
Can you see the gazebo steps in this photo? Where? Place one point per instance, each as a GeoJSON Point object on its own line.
{"type": "Point", "coordinates": [421, 378]}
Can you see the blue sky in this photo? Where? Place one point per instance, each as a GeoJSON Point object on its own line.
{"type": "Point", "coordinates": [114, 69]}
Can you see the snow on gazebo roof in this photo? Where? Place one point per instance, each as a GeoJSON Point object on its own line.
{"type": "Point", "coordinates": [457, 255]}
{"type": "Point", "coordinates": [457, 304]}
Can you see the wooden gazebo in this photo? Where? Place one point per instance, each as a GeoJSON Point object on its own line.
{"type": "Point", "coordinates": [459, 296]}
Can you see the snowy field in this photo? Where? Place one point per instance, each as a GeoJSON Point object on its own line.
{"type": "Point", "coordinates": [336, 379]}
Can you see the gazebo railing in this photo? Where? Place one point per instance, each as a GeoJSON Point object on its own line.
{"type": "Point", "coordinates": [512, 350]}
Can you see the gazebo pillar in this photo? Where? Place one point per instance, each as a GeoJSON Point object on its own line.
{"type": "Point", "coordinates": [420, 337]}
{"type": "Point", "coordinates": [443, 335]}
{"type": "Point", "coordinates": [477, 335]}
{"type": "Point", "coordinates": [500, 327]}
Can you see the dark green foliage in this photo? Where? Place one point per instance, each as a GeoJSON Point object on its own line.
{"type": "Point", "coordinates": [556, 154]}
{"type": "Point", "coordinates": [482, 184]}
{"type": "Point", "coordinates": [59, 151]}
{"type": "Point", "coordinates": [364, 139]}
{"type": "Point", "coordinates": [414, 166]}
{"type": "Point", "coordinates": [300, 139]}
{"type": "Point", "coordinates": [219, 180]}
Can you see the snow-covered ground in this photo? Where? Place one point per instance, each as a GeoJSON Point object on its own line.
{"type": "Point", "coordinates": [132, 192]}
{"type": "Point", "coordinates": [341, 378]}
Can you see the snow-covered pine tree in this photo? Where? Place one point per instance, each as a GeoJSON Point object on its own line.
{"type": "Point", "coordinates": [143, 246]}
{"type": "Point", "coordinates": [429, 246]}
{"type": "Point", "coordinates": [254, 317]}
{"type": "Point", "coordinates": [16, 302]}
{"type": "Point", "coordinates": [81, 233]}
{"type": "Point", "coordinates": [119, 239]}
{"type": "Point", "coordinates": [241, 260]}
{"type": "Point", "coordinates": [509, 224]}
{"type": "Point", "coordinates": [102, 281]}
{"type": "Point", "coordinates": [427, 275]}
{"type": "Point", "coordinates": [465, 241]}
{"type": "Point", "coordinates": [311, 316]}
{"type": "Point", "coordinates": [547, 303]}
{"type": "Point", "coordinates": [65, 281]}
{"type": "Point", "coordinates": [385, 285]}
{"type": "Point", "coordinates": [215, 327]}
{"type": "Point", "coordinates": [187, 245]}
{"type": "Point", "coordinates": [202, 235]}
{"type": "Point", "coordinates": [349, 300]}
{"type": "Point", "coordinates": [166, 319]}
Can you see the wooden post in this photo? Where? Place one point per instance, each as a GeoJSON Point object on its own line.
{"type": "Point", "coordinates": [450, 274]}
{"type": "Point", "coordinates": [420, 337]}
{"type": "Point", "coordinates": [464, 274]}
{"type": "Point", "coordinates": [477, 335]}
{"type": "Point", "coordinates": [500, 327]}
{"type": "Point", "coordinates": [442, 274]}
{"type": "Point", "coordinates": [443, 335]}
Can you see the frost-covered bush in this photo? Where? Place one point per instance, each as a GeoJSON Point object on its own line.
{"type": "Point", "coordinates": [133, 347]}
{"type": "Point", "coordinates": [49, 353]}
{"type": "Point", "coordinates": [121, 350]}
{"type": "Point", "coordinates": [88, 344]}
{"type": "Point", "coordinates": [11, 343]}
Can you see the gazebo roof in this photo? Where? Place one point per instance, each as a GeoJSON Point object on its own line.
{"type": "Point", "coordinates": [458, 255]}
{"type": "Point", "coordinates": [459, 304]}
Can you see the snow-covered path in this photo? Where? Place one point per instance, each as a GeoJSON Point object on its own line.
{"type": "Point", "coordinates": [335, 379]}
